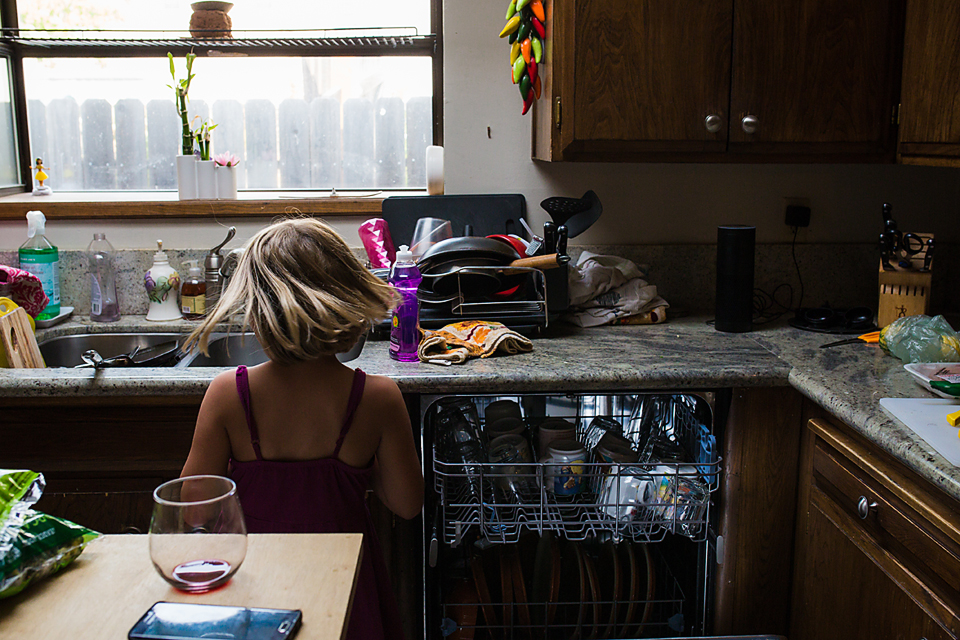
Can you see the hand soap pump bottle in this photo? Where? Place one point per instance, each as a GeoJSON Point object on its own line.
{"type": "Point", "coordinates": [104, 305]}
{"type": "Point", "coordinates": [405, 325]}
{"type": "Point", "coordinates": [39, 257]}
{"type": "Point", "coordinates": [163, 288]}
{"type": "Point", "coordinates": [193, 293]}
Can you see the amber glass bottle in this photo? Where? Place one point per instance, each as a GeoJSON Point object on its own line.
{"type": "Point", "coordinates": [193, 294]}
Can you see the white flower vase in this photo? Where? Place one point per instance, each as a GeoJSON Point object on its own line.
{"type": "Point", "coordinates": [206, 180]}
{"type": "Point", "coordinates": [226, 182]}
{"type": "Point", "coordinates": [187, 177]}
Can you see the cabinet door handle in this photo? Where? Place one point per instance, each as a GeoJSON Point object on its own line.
{"type": "Point", "coordinates": [750, 124]}
{"type": "Point", "coordinates": [712, 122]}
{"type": "Point", "coordinates": [864, 507]}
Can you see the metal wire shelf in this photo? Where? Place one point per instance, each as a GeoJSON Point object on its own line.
{"type": "Point", "coordinates": [641, 501]}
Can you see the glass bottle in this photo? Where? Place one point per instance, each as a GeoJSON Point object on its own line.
{"type": "Point", "coordinates": [405, 330]}
{"type": "Point", "coordinates": [104, 303]}
{"type": "Point", "coordinates": [193, 293]}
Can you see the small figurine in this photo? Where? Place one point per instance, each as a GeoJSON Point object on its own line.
{"type": "Point", "coordinates": [40, 189]}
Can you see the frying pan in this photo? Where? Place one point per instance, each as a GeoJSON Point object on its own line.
{"type": "Point", "coordinates": [446, 266]}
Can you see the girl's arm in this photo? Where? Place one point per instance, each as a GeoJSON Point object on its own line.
{"type": "Point", "coordinates": [397, 479]}
{"type": "Point", "coordinates": [210, 451]}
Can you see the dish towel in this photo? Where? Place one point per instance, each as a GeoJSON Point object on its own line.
{"type": "Point", "coordinates": [455, 343]}
{"type": "Point", "coordinates": [24, 289]}
{"type": "Point", "coordinates": [612, 290]}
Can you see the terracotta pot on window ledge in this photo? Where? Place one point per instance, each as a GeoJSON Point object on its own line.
{"type": "Point", "coordinates": [210, 20]}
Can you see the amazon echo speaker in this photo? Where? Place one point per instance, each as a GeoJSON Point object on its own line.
{"type": "Point", "coordinates": [735, 258]}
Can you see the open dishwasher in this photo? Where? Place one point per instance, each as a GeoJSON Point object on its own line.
{"type": "Point", "coordinates": [569, 515]}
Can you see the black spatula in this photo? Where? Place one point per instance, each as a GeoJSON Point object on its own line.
{"type": "Point", "coordinates": [576, 213]}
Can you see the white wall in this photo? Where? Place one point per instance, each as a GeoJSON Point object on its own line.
{"type": "Point", "coordinates": [643, 203]}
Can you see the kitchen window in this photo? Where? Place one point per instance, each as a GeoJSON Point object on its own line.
{"type": "Point", "coordinates": [312, 97]}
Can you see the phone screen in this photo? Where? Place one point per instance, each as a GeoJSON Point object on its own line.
{"type": "Point", "coordinates": [183, 621]}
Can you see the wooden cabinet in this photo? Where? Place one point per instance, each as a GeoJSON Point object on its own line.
{"type": "Point", "coordinates": [719, 81]}
{"type": "Point", "coordinates": [878, 548]}
{"type": "Point", "coordinates": [930, 98]}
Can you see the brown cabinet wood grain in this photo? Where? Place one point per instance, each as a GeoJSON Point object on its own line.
{"type": "Point", "coordinates": [720, 81]}
{"type": "Point", "coordinates": [878, 549]}
{"type": "Point", "coordinates": [930, 100]}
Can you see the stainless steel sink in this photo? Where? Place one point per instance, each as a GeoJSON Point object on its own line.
{"type": "Point", "coordinates": [242, 348]}
{"type": "Point", "coordinates": [66, 351]}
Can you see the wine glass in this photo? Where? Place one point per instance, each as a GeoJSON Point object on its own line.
{"type": "Point", "coordinates": [198, 537]}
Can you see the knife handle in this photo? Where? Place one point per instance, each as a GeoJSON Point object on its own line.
{"type": "Point", "coordinates": [549, 237]}
{"type": "Point", "coordinates": [562, 240]}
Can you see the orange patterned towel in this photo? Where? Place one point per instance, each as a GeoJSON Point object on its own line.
{"type": "Point", "coordinates": [456, 342]}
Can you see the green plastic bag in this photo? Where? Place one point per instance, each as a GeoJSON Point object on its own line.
{"type": "Point", "coordinates": [33, 545]}
{"type": "Point", "coordinates": [921, 339]}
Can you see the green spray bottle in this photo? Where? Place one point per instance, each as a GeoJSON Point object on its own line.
{"type": "Point", "coordinates": [39, 257]}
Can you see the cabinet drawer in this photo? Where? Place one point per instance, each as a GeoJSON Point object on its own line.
{"type": "Point", "coordinates": [892, 520]}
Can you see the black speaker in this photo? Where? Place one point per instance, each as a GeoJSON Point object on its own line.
{"type": "Point", "coordinates": [735, 258]}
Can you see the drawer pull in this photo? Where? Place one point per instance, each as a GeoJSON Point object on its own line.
{"type": "Point", "coordinates": [864, 507]}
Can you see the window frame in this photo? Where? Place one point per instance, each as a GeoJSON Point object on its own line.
{"type": "Point", "coordinates": [16, 200]}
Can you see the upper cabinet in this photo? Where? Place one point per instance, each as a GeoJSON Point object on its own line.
{"type": "Point", "coordinates": [930, 99]}
{"type": "Point", "coordinates": [720, 81]}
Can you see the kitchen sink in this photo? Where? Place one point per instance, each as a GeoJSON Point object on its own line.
{"type": "Point", "coordinates": [242, 348]}
{"type": "Point", "coordinates": [67, 351]}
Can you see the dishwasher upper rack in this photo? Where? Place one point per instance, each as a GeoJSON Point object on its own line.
{"type": "Point", "coordinates": [502, 500]}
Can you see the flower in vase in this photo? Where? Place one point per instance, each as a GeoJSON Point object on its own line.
{"type": "Point", "coordinates": [226, 159]}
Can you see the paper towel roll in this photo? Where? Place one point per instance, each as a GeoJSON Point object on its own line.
{"type": "Point", "coordinates": [434, 170]}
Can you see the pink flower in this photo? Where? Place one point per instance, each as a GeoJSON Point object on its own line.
{"type": "Point", "coordinates": [226, 159]}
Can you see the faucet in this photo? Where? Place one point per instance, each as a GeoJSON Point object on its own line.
{"type": "Point", "coordinates": [229, 266]}
{"type": "Point", "coordinates": [212, 265]}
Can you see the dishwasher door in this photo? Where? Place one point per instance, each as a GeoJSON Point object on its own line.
{"type": "Point", "coordinates": [611, 542]}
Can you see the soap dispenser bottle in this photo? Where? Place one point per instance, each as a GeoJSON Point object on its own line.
{"type": "Point", "coordinates": [193, 293]}
{"type": "Point", "coordinates": [163, 288]}
{"type": "Point", "coordinates": [39, 257]}
{"type": "Point", "coordinates": [104, 304]}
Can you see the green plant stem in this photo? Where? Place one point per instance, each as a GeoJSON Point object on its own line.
{"type": "Point", "coordinates": [187, 136]}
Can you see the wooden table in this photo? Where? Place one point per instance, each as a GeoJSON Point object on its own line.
{"type": "Point", "coordinates": [106, 590]}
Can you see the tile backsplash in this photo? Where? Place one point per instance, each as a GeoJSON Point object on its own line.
{"type": "Point", "coordinates": [841, 275]}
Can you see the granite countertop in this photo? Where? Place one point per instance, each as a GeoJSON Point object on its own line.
{"type": "Point", "coordinates": [685, 353]}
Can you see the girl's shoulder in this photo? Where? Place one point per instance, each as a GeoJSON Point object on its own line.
{"type": "Point", "coordinates": [382, 391]}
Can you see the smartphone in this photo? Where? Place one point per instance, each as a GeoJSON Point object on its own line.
{"type": "Point", "coordinates": [188, 621]}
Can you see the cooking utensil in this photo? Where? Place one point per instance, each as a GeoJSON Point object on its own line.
{"type": "Point", "coordinates": [549, 237]}
{"type": "Point", "coordinates": [868, 338]}
{"type": "Point", "coordinates": [155, 356]}
{"type": "Point", "coordinates": [18, 340]}
{"type": "Point", "coordinates": [578, 214]}
{"type": "Point", "coordinates": [562, 235]}
{"type": "Point", "coordinates": [536, 242]}
{"type": "Point", "coordinates": [928, 256]}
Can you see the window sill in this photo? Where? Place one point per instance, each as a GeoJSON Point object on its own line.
{"type": "Point", "coordinates": [150, 204]}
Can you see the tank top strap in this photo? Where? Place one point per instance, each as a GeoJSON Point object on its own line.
{"type": "Point", "coordinates": [356, 392]}
{"type": "Point", "coordinates": [243, 390]}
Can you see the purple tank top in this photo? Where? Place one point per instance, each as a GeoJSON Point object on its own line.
{"type": "Point", "coordinates": [325, 495]}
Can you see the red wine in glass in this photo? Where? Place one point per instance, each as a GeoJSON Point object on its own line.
{"type": "Point", "coordinates": [200, 575]}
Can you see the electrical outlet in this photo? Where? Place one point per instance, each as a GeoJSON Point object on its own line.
{"type": "Point", "coordinates": [797, 212]}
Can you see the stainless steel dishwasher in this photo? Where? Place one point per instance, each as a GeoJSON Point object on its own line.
{"type": "Point", "coordinates": [570, 515]}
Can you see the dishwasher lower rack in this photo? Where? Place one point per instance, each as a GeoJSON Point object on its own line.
{"type": "Point", "coordinates": [641, 501]}
{"type": "Point", "coordinates": [544, 587]}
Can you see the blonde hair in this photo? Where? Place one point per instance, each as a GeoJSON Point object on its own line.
{"type": "Point", "coordinates": [302, 291]}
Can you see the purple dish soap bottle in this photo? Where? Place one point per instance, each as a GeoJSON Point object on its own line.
{"type": "Point", "coordinates": [405, 325]}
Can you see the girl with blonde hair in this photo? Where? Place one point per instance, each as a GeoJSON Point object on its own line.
{"type": "Point", "coordinates": [303, 435]}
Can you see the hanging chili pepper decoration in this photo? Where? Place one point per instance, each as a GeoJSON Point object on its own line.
{"type": "Point", "coordinates": [526, 33]}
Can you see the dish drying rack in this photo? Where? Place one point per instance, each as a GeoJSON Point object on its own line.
{"type": "Point", "coordinates": [534, 305]}
{"type": "Point", "coordinates": [676, 498]}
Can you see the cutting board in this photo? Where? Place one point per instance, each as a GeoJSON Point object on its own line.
{"type": "Point", "coordinates": [927, 417]}
{"type": "Point", "coordinates": [19, 342]}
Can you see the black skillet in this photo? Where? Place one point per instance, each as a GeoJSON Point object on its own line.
{"type": "Point", "coordinates": [450, 265]}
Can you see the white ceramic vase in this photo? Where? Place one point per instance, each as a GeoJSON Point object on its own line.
{"type": "Point", "coordinates": [187, 177]}
{"type": "Point", "coordinates": [226, 182]}
{"type": "Point", "coordinates": [206, 180]}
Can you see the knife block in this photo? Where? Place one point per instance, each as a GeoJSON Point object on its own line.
{"type": "Point", "coordinates": [903, 292]}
